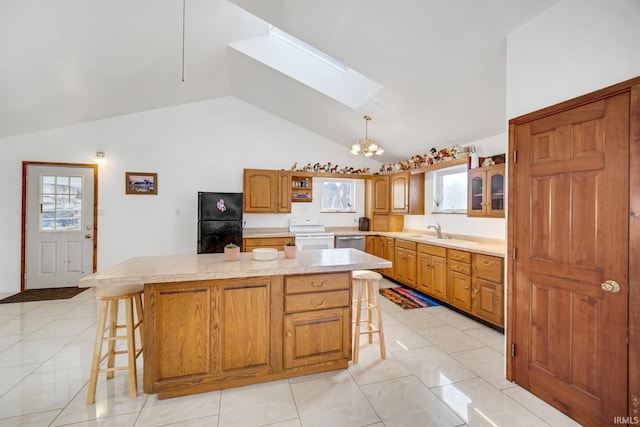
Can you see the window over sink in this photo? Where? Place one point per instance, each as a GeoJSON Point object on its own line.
{"type": "Point", "coordinates": [450, 190]}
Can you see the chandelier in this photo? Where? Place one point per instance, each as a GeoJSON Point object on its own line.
{"type": "Point", "coordinates": [366, 145]}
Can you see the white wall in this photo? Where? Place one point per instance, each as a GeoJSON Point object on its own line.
{"type": "Point", "coordinates": [199, 146]}
{"type": "Point", "coordinates": [572, 48]}
{"type": "Point", "coordinates": [493, 228]}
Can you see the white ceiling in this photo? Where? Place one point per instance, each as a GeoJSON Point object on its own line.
{"type": "Point", "coordinates": [441, 63]}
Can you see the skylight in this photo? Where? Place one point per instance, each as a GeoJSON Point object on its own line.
{"type": "Point", "coordinates": [330, 60]}
{"type": "Point", "coordinates": [310, 66]}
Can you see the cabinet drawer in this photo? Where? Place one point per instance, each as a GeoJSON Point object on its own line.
{"type": "Point", "coordinates": [406, 244]}
{"type": "Point", "coordinates": [432, 250]}
{"type": "Point", "coordinates": [269, 242]}
{"type": "Point", "coordinates": [488, 267]}
{"type": "Point", "coordinates": [316, 283]}
{"type": "Point", "coordinates": [460, 267]}
{"type": "Point", "coordinates": [460, 256]}
{"type": "Point", "coordinates": [316, 301]}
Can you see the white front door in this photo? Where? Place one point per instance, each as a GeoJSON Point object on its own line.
{"type": "Point", "coordinates": [59, 225]}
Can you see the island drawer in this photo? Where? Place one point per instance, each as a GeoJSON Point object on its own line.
{"type": "Point", "coordinates": [488, 267]}
{"type": "Point", "coordinates": [316, 283]}
{"type": "Point", "coordinates": [316, 301]}
{"type": "Point", "coordinates": [460, 267]}
{"type": "Point", "coordinates": [460, 256]}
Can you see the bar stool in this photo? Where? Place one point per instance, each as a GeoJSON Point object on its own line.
{"type": "Point", "coordinates": [110, 298]}
{"type": "Point", "coordinates": [367, 280]}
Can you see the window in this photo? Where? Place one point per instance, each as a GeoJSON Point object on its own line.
{"type": "Point", "coordinates": [338, 195]}
{"type": "Point", "coordinates": [60, 203]}
{"type": "Point", "coordinates": [450, 190]}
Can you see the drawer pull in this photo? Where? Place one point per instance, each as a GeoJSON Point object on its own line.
{"type": "Point", "coordinates": [487, 263]}
{"type": "Point", "coordinates": [322, 304]}
{"type": "Point", "coordinates": [318, 286]}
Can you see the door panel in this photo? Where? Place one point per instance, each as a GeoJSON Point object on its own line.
{"type": "Point", "coordinates": [571, 234]}
{"type": "Point", "coordinates": [59, 225]}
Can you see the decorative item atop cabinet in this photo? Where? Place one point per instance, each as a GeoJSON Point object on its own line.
{"type": "Point", "coordinates": [486, 191]}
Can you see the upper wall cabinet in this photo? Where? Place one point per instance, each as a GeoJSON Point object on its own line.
{"type": "Point", "coordinates": [399, 193]}
{"type": "Point", "coordinates": [486, 191]}
{"type": "Point", "coordinates": [267, 191]}
{"type": "Point", "coordinates": [407, 193]}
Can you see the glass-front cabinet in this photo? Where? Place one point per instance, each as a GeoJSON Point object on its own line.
{"type": "Point", "coordinates": [486, 191]}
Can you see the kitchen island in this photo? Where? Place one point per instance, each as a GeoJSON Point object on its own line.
{"type": "Point", "coordinates": [211, 324]}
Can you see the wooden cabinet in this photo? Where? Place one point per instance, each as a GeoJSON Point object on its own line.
{"type": "Point", "coordinates": [267, 191]}
{"type": "Point", "coordinates": [205, 332]}
{"type": "Point", "coordinates": [459, 279]}
{"type": "Point", "coordinates": [406, 193]}
{"type": "Point", "coordinates": [432, 270]}
{"type": "Point", "coordinates": [405, 262]}
{"type": "Point", "coordinates": [486, 191]}
{"type": "Point", "coordinates": [380, 194]}
{"type": "Point", "coordinates": [317, 320]}
{"type": "Point", "coordinates": [301, 187]}
{"type": "Point", "coordinates": [251, 243]}
{"type": "Point", "coordinates": [488, 288]}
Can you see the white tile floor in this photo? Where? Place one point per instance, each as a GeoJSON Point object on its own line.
{"type": "Point", "coordinates": [442, 369]}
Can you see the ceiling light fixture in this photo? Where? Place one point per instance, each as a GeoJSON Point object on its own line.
{"type": "Point", "coordinates": [366, 146]}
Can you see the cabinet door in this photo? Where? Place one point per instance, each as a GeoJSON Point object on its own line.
{"type": "Point", "coordinates": [242, 325]}
{"type": "Point", "coordinates": [284, 192]}
{"type": "Point", "coordinates": [425, 273]}
{"type": "Point", "coordinates": [476, 203]}
{"type": "Point", "coordinates": [260, 191]}
{"type": "Point", "coordinates": [495, 192]}
{"type": "Point", "coordinates": [390, 255]}
{"type": "Point", "coordinates": [411, 272]}
{"type": "Point", "coordinates": [316, 336]}
{"type": "Point", "coordinates": [380, 194]}
{"type": "Point", "coordinates": [400, 265]}
{"type": "Point", "coordinates": [439, 267]}
{"type": "Point", "coordinates": [460, 290]}
{"type": "Point", "coordinates": [178, 325]}
{"type": "Point", "coordinates": [488, 301]}
{"type": "Point", "coordinates": [399, 184]}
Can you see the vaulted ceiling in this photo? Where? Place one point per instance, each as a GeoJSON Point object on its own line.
{"type": "Point", "coordinates": [441, 64]}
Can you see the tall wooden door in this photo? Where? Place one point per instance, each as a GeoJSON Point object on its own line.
{"type": "Point", "coordinates": [571, 242]}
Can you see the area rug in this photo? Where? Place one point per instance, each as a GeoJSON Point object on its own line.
{"type": "Point", "coordinates": [43, 294]}
{"type": "Point", "coordinates": [407, 298]}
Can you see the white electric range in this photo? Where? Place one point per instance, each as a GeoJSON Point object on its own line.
{"type": "Point", "coordinates": [310, 233]}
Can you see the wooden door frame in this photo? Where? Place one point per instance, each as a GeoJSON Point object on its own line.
{"type": "Point", "coordinates": [23, 245]}
{"type": "Point", "coordinates": [632, 87]}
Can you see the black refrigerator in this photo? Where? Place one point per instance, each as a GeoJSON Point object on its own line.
{"type": "Point", "coordinates": [219, 221]}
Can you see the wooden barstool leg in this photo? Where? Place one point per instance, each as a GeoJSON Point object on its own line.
{"type": "Point", "coordinates": [383, 351]}
{"type": "Point", "coordinates": [131, 348]}
{"type": "Point", "coordinates": [356, 333]}
{"type": "Point", "coordinates": [140, 317]}
{"type": "Point", "coordinates": [113, 332]}
{"type": "Point", "coordinates": [367, 301]}
{"type": "Point", "coordinates": [97, 352]}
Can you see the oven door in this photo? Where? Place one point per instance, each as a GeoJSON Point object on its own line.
{"type": "Point", "coordinates": [314, 241]}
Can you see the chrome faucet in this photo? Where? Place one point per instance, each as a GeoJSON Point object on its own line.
{"type": "Point", "coordinates": [437, 228]}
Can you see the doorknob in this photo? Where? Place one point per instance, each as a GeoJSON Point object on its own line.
{"type": "Point", "coordinates": [88, 236]}
{"type": "Point", "coordinates": [610, 286]}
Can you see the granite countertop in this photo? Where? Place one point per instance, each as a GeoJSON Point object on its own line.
{"type": "Point", "coordinates": [181, 268]}
{"type": "Point", "coordinates": [485, 246]}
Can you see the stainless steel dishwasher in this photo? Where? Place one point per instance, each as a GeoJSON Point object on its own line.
{"type": "Point", "coordinates": [355, 242]}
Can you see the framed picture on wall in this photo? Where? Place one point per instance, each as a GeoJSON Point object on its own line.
{"type": "Point", "coordinates": [141, 183]}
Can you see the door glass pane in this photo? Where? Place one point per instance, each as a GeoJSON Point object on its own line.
{"type": "Point", "coordinates": [497, 192]}
{"type": "Point", "coordinates": [476, 194]}
{"type": "Point", "coordinates": [61, 203]}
